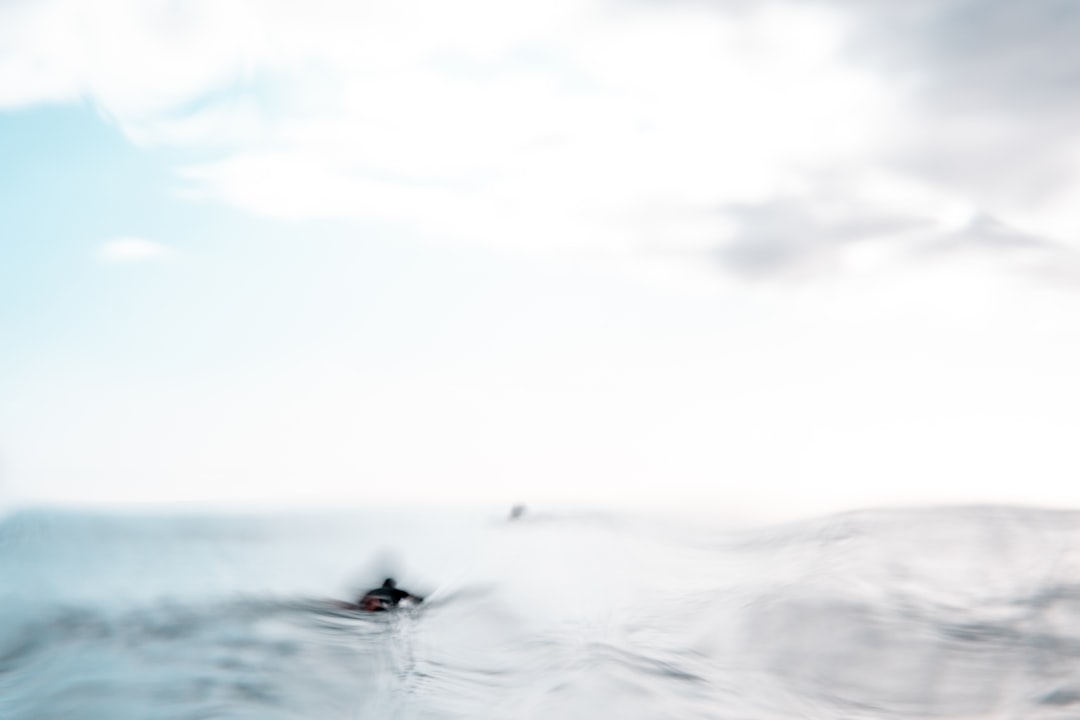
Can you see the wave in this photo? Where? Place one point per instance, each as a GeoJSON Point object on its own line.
{"type": "Point", "coordinates": [937, 613]}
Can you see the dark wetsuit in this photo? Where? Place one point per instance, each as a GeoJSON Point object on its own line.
{"type": "Point", "coordinates": [385, 598]}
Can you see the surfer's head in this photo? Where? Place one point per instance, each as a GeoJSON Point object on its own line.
{"type": "Point", "coordinates": [389, 583]}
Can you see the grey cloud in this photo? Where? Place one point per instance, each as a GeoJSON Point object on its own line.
{"type": "Point", "coordinates": [1029, 256]}
{"type": "Point", "coordinates": [989, 237]}
{"type": "Point", "coordinates": [993, 86]}
{"type": "Point", "coordinates": [1018, 56]}
{"type": "Point", "coordinates": [789, 238]}
{"type": "Point", "coordinates": [1034, 259]}
{"type": "Point", "coordinates": [791, 235]}
{"type": "Point", "coordinates": [989, 96]}
{"type": "Point", "coordinates": [985, 232]}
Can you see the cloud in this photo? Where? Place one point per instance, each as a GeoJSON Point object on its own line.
{"type": "Point", "coordinates": [133, 250]}
{"type": "Point", "coordinates": [616, 131]}
{"type": "Point", "coordinates": [1019, 58]}
{"type": "Point", "coordinates": [986, 232]}
{"type": "Point", "coordinates": [990, 101]}
{"type": "Point", "coordinates": [773, 135]}
{"type": "Point", "coordinates": [796, 236]}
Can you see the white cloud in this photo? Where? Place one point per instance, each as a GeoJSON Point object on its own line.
{"type": "Point", "coordinates": [538, 124]}
{"type": "Point", "coordinates": [588, 126]}
{"type": "Point", "coordinates": [134, 249]}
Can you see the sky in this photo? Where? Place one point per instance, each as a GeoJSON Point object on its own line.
{"type": "Point", "coordinates": [771, 257]}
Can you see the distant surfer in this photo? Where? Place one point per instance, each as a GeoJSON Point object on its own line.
{"type": "Point", "coordinates": [387, 597]}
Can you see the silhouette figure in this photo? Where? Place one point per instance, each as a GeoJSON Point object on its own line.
{"type": "Point", "coordinates": [386, 597]}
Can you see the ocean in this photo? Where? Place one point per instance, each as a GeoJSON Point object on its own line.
{"type": "Point", "coordinates": [952, 613]}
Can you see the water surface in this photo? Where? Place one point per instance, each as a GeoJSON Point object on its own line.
{"type": "Point", "coordinates": [941, 613]}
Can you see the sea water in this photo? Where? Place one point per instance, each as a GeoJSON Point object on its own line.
{"type": "Point", "coordinates": [940, 613]}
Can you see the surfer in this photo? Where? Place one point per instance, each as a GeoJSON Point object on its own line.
{"type": "Point", "coordinates": [386, 597]}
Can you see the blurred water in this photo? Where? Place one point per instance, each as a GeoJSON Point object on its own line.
{"type": "Point", "coordinates": [947, 613]}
